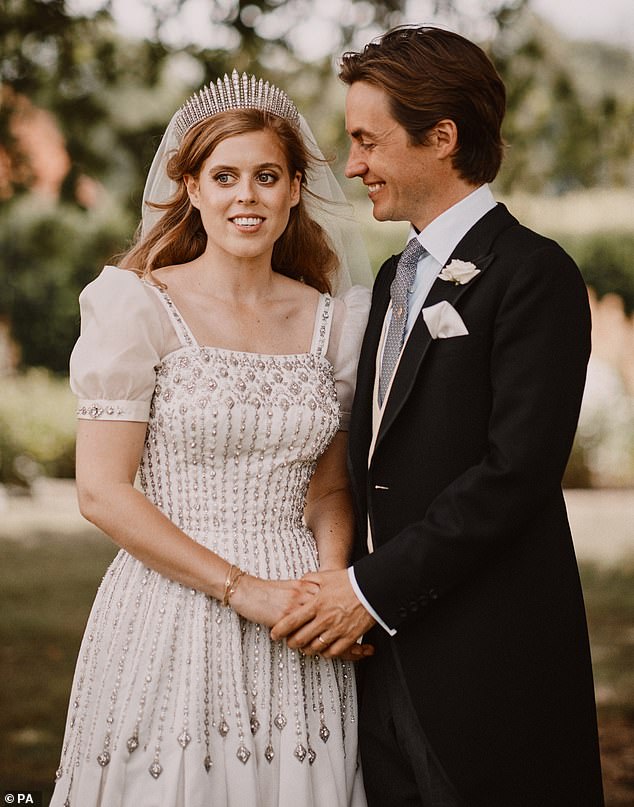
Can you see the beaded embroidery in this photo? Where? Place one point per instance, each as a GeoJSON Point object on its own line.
{"type": "Point", "coordinates": [232, 442]}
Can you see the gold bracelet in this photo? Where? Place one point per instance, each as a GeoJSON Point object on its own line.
{"type": "Point", "coordinates": [231, 582]}
{"type": "Point", "coordinates": [228, 581]}
{"type": "Point", "coordinates": [234, 585]}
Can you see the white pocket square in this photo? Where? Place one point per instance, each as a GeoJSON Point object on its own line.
{"type": "Point", "coordinates": [444, 321]}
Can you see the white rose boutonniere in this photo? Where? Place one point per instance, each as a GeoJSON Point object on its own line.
{"type": "Point", "coordinates": [459, 272]}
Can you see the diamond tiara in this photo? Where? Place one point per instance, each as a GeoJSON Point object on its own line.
{"type": "Point", "coordinates": [237, 92]}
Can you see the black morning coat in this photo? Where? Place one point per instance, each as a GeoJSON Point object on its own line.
{"type": "Point", "coordinates": [474, 563]}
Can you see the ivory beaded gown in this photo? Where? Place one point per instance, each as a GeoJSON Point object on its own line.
{"type": "Point", "coordinates": [177, 701]}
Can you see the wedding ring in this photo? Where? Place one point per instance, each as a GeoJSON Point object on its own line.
{"type": "Point", "coordinates": [321, 640]}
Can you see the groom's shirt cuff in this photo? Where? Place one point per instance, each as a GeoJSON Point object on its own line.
{"type": "Point", "coordinates": [365, 603]}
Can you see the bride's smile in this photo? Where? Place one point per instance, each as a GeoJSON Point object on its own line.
{"type": "Point", "coordinates": [244, 194]}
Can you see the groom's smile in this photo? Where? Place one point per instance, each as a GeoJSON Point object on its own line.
{"type": "Point", "coordinates": [401, 177]}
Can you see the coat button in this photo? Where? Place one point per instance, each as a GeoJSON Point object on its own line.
{"type": "Point", "coordinates": [423, 599]}
{"type": "Point", "coordinates": [433, 594]}
{"type": "Point", "coordinates": [413, 606]}
{"type": "Point", "coordinates": [402, 612]}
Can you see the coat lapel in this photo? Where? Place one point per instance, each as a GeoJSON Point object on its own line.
{"type": "Point", "coordinates": [360, 435]}
{"type": "Point", "coordinates": [478, 241]}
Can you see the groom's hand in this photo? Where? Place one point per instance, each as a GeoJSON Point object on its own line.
{"type": "Point", "coordinates": [331, 623]}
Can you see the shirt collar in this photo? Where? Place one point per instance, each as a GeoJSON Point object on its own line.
{"type": "Point", "coordinates": [444, 233]}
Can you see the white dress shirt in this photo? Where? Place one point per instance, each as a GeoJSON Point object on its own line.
{"type": "Point", "coordinates": [440, 238]}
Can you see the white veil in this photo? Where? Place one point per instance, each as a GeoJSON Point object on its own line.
{"type": "Point", "coordinates": [325, 203]}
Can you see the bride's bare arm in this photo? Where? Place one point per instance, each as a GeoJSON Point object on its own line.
{"type": "Point", "coordinates": [329, 506]}
{"type": "Point", "coordinates": [108, 456]}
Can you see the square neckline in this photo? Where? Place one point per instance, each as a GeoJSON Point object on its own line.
{"type": "Point", "coordinates": [319, 340]}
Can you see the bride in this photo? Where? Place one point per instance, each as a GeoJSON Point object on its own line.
{"type": "Point", "coordinates": [214, 363]}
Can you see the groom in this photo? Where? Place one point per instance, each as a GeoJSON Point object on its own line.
{"type": "Point", "coordinates": [470, 379]}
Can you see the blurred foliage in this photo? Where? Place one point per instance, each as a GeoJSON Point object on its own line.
{"type": "Point", "coordinates": [107, 94]}
{"type": "Point", "coordinates": [609, 594]}
{"type": "Point", "coordinates": [560, 135]}
{"type": "Point", "coordinates": [603, 450]}
{"type": "Point", "coordinates": [111, 96]}
{"type": "Point", "coordinates": [577, 474]}
{"type": "Point", "coordinates": [37, 428]}
{"type": "Point", "coordinates": [47, 255]}
{"type": "Point", "coordinates": [47, 583]}
{"type": "Point", "coordinates": [606, 261]}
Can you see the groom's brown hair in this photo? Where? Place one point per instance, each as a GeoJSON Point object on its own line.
{"type": "Point", "coordinates": [430, 75]}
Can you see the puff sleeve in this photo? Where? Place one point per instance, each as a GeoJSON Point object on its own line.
{"type": "Point", "coordinates": [349, 321]}
{"type": "Point", "coordinates": [112, 366]}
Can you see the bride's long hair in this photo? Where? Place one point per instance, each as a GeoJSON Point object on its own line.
{"type": "Point", "coordinates": [302, 252]}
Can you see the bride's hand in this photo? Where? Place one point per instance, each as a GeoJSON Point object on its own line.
{"type": "Point", "coordinates": [267, 601]}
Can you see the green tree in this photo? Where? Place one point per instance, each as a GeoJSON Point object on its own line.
{"type": "Point", "coordinates": [111, 97]}
{"type": "Point", "coordinates": [561, 135]}
{"type": "Point", "coordinates": [48, 253]}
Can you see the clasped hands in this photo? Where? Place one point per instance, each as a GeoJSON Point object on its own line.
{"type": "Point", "coordinates": [328, 623]}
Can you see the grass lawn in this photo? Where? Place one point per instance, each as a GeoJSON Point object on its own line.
{"type": "Point", "coordinates": [46, 589]}
{"type": "Point", "coordinates": [47, 585]}
{"type": "Point", "coordinates": [609, 595]}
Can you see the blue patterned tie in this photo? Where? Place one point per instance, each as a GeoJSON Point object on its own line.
{"type": "Point", "coordinates": [399, 291]}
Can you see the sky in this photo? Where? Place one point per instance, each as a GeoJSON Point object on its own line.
{"type": "Point", "coordinates": [605, 20]}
